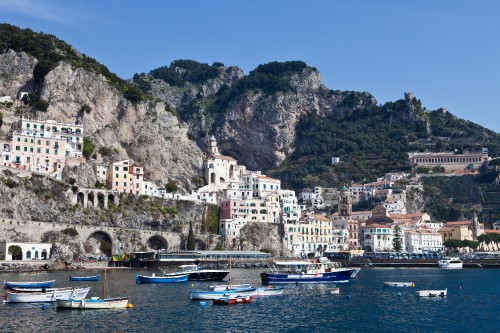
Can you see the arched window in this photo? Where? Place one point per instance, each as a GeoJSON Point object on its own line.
{"type": "Point", "coordinates": [28, 255]}
{"type": "Point", "coordinates": [211, 166]}
{"type": "Point", "coordinates": [44, 254]}
{"type": "Point", "coordinates": [36, 254]}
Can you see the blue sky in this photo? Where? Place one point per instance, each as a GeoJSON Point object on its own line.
{"type": "Point", "coordinates": [446, 52]}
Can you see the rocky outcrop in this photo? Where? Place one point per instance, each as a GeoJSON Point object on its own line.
{"type": "Point", "coordinates": [16, 73]}
{"type": "Point", "coordinates": [261, 236]}
{"type": "Point", "coordinates": [146, 133]}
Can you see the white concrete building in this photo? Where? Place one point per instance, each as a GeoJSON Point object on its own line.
{"type": "Point", "coordinates": [29, 251]}
{"type": "Point", "coordinates": [423, 240]}
{"type": "Point", "coordinates": [377, 238]}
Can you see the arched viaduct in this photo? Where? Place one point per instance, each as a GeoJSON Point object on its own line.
{"type": "Point", "coordinates": [134, 239]}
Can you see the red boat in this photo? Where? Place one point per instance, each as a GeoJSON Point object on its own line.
{"type": "Point", "coordinates": [233, 300]}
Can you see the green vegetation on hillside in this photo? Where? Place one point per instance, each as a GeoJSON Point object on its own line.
{"type": "Point", "coordinates": [181, 71]}
{"type": "Point", "coordinates": [49, 50]}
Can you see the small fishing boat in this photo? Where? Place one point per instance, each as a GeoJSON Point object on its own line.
{"type": "Point", "coordinates": [223, 292]}
{"type": "Point", "coordinates": [269, 291]}
{"type": "Point", "coordinates": [432, 293]}
{"type": "Point", "coordinates": [450, 263]}
{"type": "Point", "coordinates": [39, 284]}
{"type": "Point", "coordinates": [49, 295]}
{"type": "Point", "coordinates": [222, 287]}
{"type": "Point", "coordinates": [335, 291]}
{"type": "Point", "coordinates": [399, 284]}
{"type": "Point", "coordinates": [85, 278]}
{"type": "Point", "coordinates": [233, 300]}
{"type": "Point", "coordinates": [95, 303]}
{"type": "Point", "coordinates": [143, 279]}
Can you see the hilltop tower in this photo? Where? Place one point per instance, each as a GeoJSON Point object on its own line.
{"type": "Point", "coordinates": [345, 202]}
{"type": "Point", "coordinates": [214, 150]}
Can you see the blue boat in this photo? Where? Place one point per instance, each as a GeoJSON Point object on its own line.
{"type": "Point", "coordinates": [39, 284]}
{"type": "Point", "coordinates": [142, 279]}
{"type": "Point", "coordinates": [85, 278]}
{"type": "Point", "coordinates": [318, 271]}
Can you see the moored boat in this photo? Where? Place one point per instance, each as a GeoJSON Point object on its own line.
{"type": "Point", "coordinates": [232, 300]}
{"type": "Point", "coordinates": [195, 273]}
{"type": "Point", "coordinates": [94, 303]}
{"type": "Point", "coordinates": [29, 284]}
{"type": "Point", "coordinates": [143, 279]}
{"type": "Point", "coordinates": [85, 278]}
{"type": "Point", "coordinates": [319, 271]}
{"type": "Point", "coordinates": [450, 263]}
{"type": "Point", "coordinates": [222, 287]}
{"type": "Point", "coordinates": [269, 291]}
{"type": "Point", "coordinates": [399, 284]}
{"type": "Point", "coordinates": [50, 295]}
{"type": "Point", "coordinates": [211, 294]}
{"type": "Point", "coordinates": [432, 293]}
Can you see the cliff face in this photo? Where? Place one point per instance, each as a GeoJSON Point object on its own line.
{"type": "Point", "coordinates": [146, 133]}
{"type": "Point", "coordinates": [256, 128]}
{"type": "Point", "coordinates": [16, 73]}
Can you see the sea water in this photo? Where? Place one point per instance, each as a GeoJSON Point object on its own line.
{"type": "Point", "coordinates": [363, 305]}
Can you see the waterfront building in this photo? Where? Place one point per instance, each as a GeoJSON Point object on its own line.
{"type": "Point", "coordinates": [377, 237]}
{"type": "Point", "coordinates": [462, 230]}
{"type": "Point", "coordinates": [312, 234]}
{"type": "Point", "coordinates": [29, 251]}
{"type": "Point", "coordinates": [422, 240]}
{"type": "Point", "coordinates": [290, 209]}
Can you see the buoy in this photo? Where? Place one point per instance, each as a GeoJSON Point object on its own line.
{"type": "Point", "coordinates": [413, 285]}
{"type": "Point", "coordinates": [129, 306]}
{"type": "Point", "coordinates": [192, 285]}
{"type": "Point", "coordinates": [348, 297]}
{"type": "Point", "coordinates": [202, 304]}
{"type": "Point", "coordinates": [399, 293]}
{"type": "Point", "coordinates": [44, 306]}
{"type": "Point", "coordinates": [460, 287]}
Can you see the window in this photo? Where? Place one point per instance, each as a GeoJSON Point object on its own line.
{"type": "Point", "coordinates": [25, 140]}
{"type": "Point", "coordinates": [47, 143]}
{"type": "Point", "coordinates": [125, 184]}
{"type": "Point", "coordinates": [116, 175]}
{"type": "Point", "coordinates": [39, 142]}
{"type": "Point", "coordinates": [47, 151]}
{"type": "Point", "coordinates": [31, 149]}
{"type": "Point", "coordinates": [39, 150]}
{"type": "Point", "coordinates": [55, 151]}
{"type": "Point", "coordinates": [18, 139]}
{"type": "Point", "coordinates": [116, 183]}
{"type": "Point", "coordinates": [18, 147]}
{"type": "Point", "coordinates": [125, 168]}
{"type": "Point", "coordinates": [116, 169]}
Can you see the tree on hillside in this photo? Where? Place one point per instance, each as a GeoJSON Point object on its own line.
{"type": "Point", "coordinates": [191, 244]}
{"type": "Point", "coordinates": [396, 242]}
{"type": "Point", "coordinates": [16, 252]}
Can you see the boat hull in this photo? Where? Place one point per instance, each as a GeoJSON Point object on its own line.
{"type": "Point", "coordinates": [142, 279]}
{"type": "Point", "coordinates": [50, 296]}
{"type": "Point", "coordinates": [85, 278]}
{"type": "Point", "coordinates": [92, 304]}
{"type": "Point", "coordinates": [432, 293]}
{"type": "Point", "coordinates": [341, 275]}
{"type": "Point", "coordinates": [211, 295]}
{"type": "Point", "coordinates": [203, 275]}
{"type": "Point", "coordinates": [233, 300]}
{"type": "Point", "coordinates": [269, 291]}
{"type": "Point", "coordinates": [39, 284]}
{"type": "Point", "coordinates": [399, 284]}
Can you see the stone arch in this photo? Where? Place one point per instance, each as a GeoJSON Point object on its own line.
{"type": "Point", "coordinates": [80, 198]}
{"type": "Point", "coordinates": [91, 199]}
{"type": "Point", "coordinates": [157, 242]}
{"type": "Point", "coordinates": [44, 254]}
{"type": "Point", "coordinates": [101, 199]}
{"type": "Point", "coordinates": [99, 243]}
{"type": "Point", "coordinates": [111, 198]}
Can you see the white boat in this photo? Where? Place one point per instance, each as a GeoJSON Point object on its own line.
{"type": "Point", "coordinates": [269, 291]}
{"type": "Point", "coordinates": [204, 295]}
{"type": "Point", "coordinates": [432, 293]}
{"type": "Point", "coordinates": [196, 273]}
{"type": "Point", "coordinates": [94, 303]}
{"type": "Point", "coordinates": [50, 295]}
{"type": "Point", "coordinates": [335, 291]}
{"type": "Point", "coordinates": [450, 263]}
{"type": "Point", "coordinates": [222, 287]}
{"type": "Point", "coordinates": [399, 284]}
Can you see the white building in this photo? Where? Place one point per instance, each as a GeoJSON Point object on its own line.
{"type": "Point", "coordinates": [423, 241]}
{"type": "Point", "coordinates": [377, 238]}
{"type": "Point", "coordinates": [29, 251]}
{"type": "Point", "coordinates": [290, 208]}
